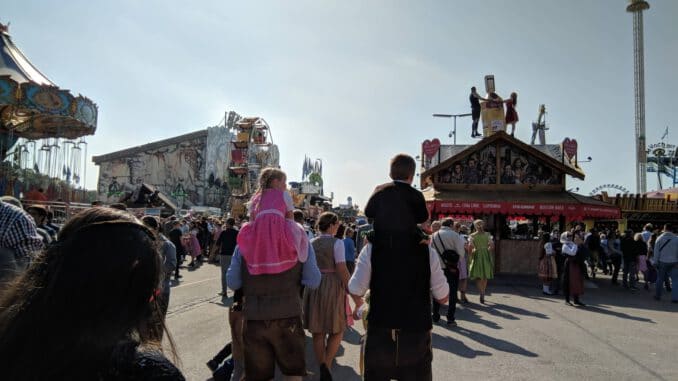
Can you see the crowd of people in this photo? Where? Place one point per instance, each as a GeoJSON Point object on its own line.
{"type": "Point", "coordinates": [569, 258]}
{"type": "Point", "coordinates": [392, 270]}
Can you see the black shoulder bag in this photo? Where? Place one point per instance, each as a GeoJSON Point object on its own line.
{"type": "Point", "coordinates": [450, 257]}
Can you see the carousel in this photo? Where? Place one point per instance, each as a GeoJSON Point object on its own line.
{"type": "Point", "coordinates": [42, 129]}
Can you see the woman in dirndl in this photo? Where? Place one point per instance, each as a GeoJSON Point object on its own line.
{"type": "Point", "coordinates": [575, 268]}
{"type": "Point", "coordinates": [547, 264]}
{"type": "Point", "coordinates": [325, 307]}
{"type": "Point", "coordinates": [481, 267]}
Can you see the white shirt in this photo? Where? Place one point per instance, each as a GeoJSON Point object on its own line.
{"type": "Point", "coordinates": [548, 248]}
{"type": "Point", "coordinates": [451, 241]}
{"type": "Point", "coordinates": [360, 281]}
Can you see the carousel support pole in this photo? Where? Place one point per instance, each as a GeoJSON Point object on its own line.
{"type": "Point", "coordinates": [84, 176]}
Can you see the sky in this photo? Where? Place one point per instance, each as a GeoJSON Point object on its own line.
{"type": "Point", "coordinates": [356, 82]}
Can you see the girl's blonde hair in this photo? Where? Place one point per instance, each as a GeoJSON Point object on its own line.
{"type": "Point", "coordinates": [479, 225]}
{"type": "Point", "coordinates": [267, 175]}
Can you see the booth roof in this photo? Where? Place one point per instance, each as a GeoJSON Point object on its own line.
{"type": "Point", "coordinates": [571, 205]}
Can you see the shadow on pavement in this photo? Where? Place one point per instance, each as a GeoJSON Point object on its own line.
{"type": "Point", "coordinates": [495, 343]}
{"type": "Point", "coordinates": [605, 293]}
{"type": "Point", "coordinates": [516, 310]}
{"type": "Point", "coordinates": [620, 315]}
{"type": "Point", "coordinates": [457, 347]}
{"type": "Point", "coordinates": [352, 336]}
{"type": "Point", "coordinates": [468, 314]}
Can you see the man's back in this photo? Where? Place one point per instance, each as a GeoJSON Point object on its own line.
{"type": "Point", "coordinates": [666, 248]}
{"type": "Point", "coordinates": [228, 241]}
{"type": "Point", "coordinates": [396, 207]}
{"type": "Point", "coordinates": [450, 239]}
{"type": "Point", "coordinates": [18, 232]}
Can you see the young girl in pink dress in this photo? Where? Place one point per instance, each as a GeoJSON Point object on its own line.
{"type": "Point", "coordinates": [272, 242]}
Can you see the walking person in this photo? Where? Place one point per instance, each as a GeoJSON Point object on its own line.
{"type": "Point", "coordinates": [463, 260]}
{"type": "Point", "coordinates": [272, 312]}
{"type": "Point", "coordinates": [398, 340]}
{"type": "Point", "coordinates": [325, 307]}
{"type": "Point", "coordinates": [560, 261]}
{"type": "Point", "coordinates": [175, 235]}
{"type": "Point", "coordinates": [592, 243]}
{"type": "Point", "coordinates": [666, 258]}
{"type": "Point", "coordinates": [547, 264]}
{"type": "Point", "coordinates": [446, 242]}
{"type": "Point", "coordinates": [226, 246]}
{"type": "Point", "coordinates": [402, 273]}
{"type": "Point", "coordinates": [575, 267]}
{"type": "Point", "coordinates": [481, 267]}
{"type": "Point", "coordinates": [169, 258]}
{"type": "Point", "coordinates": [615, 253]}
{"type": "Point", "coordinates": [349, 248]}
{"type": "Point", "coordinates": [630, 252]}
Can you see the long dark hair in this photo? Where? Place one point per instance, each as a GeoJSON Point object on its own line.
{"type": "Point", "coordinates": [84, 304]}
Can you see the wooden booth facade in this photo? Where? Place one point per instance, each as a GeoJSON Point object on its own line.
{"type": "Point", "coordinates": [518, 189]}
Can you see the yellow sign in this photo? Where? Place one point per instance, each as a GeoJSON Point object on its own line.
{"type": "Point", "coordinates": [492, 115]}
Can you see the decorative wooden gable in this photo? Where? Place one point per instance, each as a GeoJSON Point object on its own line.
{"type": "Point", "coordinates": [500, 162]}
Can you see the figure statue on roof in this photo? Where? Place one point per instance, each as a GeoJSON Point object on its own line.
{"type": "Point", "coordinates": [475, 99]}
{"type": "Point", "coordinates": [511, 113]}
{"type": "Point", "coordinates": [539, 127]}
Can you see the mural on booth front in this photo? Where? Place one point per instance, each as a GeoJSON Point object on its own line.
{"type": "Point", "coordinates": [166, 168]}
{"type": "Point", "coordinates": [477, 168]}
{"type": "Point", "coordinates": [517, 167]}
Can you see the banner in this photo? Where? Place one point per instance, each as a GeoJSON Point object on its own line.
{"type": "Point", "coordinates": [572, 211]}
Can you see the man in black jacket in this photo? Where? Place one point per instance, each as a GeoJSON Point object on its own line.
{"type": "Point", "coordinates": [175, 237]}
{"type": "Point", "coordinates": [226, 245]}
{"type": "Point", "coordinates": [398, 343]}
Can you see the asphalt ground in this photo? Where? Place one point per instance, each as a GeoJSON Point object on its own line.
{"type": "Point", "coordinates": [519, 334]}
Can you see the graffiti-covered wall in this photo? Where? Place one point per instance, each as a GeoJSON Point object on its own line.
{"type": "Point", "coordinates": [188, 168]}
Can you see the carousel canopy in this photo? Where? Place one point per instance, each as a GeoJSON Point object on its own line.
{"type": "Point", "coordinates": [32, 106]}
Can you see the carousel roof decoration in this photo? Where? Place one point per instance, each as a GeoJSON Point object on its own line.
{"type": "Point", "coordinates": [42, 128]}
{"type": "Point", "coordinates": [32, 106]}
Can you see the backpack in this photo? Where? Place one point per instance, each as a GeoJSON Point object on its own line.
{"type": "Point", "coordinates": [450, 257]}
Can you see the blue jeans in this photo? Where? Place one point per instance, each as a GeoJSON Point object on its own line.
{"type": "Point", "coordinates": [664, 271]}
{"type": "Point", "coordinates": [630, 274]}
{"type": "Point", "coordinates": [225, 262]}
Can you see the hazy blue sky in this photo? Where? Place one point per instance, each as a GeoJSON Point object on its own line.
{"type": "Point", "coordinates": [354, 82]}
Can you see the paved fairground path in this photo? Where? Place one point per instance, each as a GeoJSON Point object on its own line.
{"type": "Point", "coordinates": [520, 334]}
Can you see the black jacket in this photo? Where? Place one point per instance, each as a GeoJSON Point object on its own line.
{"type": "Point", "coordinates": [396, 207]}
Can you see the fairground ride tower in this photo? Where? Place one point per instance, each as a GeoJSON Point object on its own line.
{"type": "Point", "coordinates": [637, 7]}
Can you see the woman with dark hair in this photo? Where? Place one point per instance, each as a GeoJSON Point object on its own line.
{"type": "Point", "coordinates": [85, 308]}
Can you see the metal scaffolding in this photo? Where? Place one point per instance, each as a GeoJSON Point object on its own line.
{"type": "Point", "coordinates": [637, 7]}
